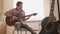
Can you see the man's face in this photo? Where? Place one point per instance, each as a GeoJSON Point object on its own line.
{"type": "Point", "coordinates": [19, 7]}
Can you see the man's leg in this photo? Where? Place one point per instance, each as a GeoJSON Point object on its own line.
{"type": "Point", "coordinates": [28, 28]}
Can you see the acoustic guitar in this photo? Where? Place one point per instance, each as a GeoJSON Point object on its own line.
{"type": "Point", "coordinates": [48, 22]}
{"type": "Point", "coordinates": [10, 22]}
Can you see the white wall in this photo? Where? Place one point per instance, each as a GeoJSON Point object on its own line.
{"type": "Point", "coordinates": [47, 7]}
{"type": "Point", "coordinates": [0, 14]}
{"type": "Point", "coordinates": [7, 5]}
{"type": "Point", "coordinates": [56, 10]}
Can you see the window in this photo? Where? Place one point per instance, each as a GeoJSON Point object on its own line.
{"type": "Point", "coordinates": [32, 6]}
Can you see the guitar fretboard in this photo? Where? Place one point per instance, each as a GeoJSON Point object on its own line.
{"type": "Point", "coordinates": [52, 7]}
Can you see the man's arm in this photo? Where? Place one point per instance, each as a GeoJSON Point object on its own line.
{"type": "Point", "coordinates": [27, 17]}
{"type": "Point", "coordinates": [9, 14]}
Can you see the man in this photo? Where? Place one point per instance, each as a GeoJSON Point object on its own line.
{"type": "Point", "coordinates": [17, 13]}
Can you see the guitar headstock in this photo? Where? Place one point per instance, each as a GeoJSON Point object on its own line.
{"type": "Point", "coordinates": [34, 14]}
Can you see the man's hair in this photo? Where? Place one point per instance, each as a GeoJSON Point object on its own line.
{"type": "Point", "coordinates": [19, 2]}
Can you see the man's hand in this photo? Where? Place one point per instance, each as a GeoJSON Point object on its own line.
{"type": "Point", "coordinates": [29, 16]}
{"type": "Point", "coordinates": [14, 17]}
{"type": "Point", "coordinates": [7, 14]}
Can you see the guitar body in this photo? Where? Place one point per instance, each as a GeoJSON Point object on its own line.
{"type": "Point", "coordinates": [47, 24]}
{"type": "Point", "coordinates": [44, 21]}
{"type": "Point", "coordinates": [9, 22]}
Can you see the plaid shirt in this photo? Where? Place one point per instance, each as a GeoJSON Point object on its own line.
{"type": "Point", "coordinates": [15, 12]}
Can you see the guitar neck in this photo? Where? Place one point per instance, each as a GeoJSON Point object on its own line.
{"type": "Point", "coordinates": [52, 7]}
{"type": "Point", "coordinates": [26, 16]}
{"type": "Point", "coordinates": [29, 15]}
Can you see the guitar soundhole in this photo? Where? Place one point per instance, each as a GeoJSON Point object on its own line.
{"type": "Point", "coordinates": [49, 27]}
